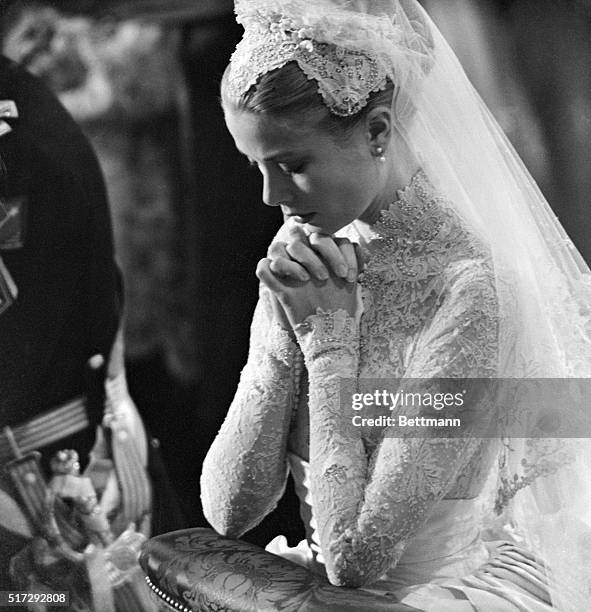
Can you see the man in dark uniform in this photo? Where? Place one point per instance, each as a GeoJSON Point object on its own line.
{"type": "Point", "coordinates": [60, 308]}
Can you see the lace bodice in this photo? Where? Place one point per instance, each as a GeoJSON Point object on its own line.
{"type": "Point", "coordinates": [429, 311]}
{"type": "Point", "coordinates": [425, 274]}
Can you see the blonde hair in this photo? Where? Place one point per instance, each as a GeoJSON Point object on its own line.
{"type": "Point", "coordinates": [287, 93]}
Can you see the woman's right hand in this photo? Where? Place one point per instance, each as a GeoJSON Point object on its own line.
{"type": "Point", "coordinates": [279, 314]}
{"type": "Point", "coordinates": [315, 255]}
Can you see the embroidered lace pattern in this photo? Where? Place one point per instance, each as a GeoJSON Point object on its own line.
{"type": "Point", "coordinates": [429, 312]}
{"type": "Point", "coordinates": [345, 77]}
{"type": "Point", "coordinates": [245, 471]}
{"type": "Point", "coordinates": [420, 253]}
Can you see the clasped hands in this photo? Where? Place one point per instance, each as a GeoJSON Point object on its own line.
{"type": "Point", "coordinates": [309, 272]}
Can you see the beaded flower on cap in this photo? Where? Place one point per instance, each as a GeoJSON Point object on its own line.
{"type": "Point", "coordinates": [276, 35]}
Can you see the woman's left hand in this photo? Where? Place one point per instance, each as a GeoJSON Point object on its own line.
{"type": "Point", "coordinates": [301, 299]}
{"type": "Point", "coordinates": [301, 256]}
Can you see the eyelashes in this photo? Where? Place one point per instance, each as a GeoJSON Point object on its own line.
{"type": "Point", "coordinates": [288, 169]}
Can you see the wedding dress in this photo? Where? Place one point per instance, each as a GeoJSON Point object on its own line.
{"type": "Point", "coordinates": [428, 311]}
{"type": "Point", "coordinates": [470, 276]}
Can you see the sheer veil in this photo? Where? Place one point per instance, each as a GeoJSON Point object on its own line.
{"type": "Point", "coordinates": [543, 489]}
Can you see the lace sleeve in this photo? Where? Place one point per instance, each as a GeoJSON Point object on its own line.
{"type": "Point", "coordinates": [245, 470]}
{"type": "Point", "coordinates": [367, 509]}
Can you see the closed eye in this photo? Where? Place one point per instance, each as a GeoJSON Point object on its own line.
{"type": "Point", "coordinates": [292, 168]}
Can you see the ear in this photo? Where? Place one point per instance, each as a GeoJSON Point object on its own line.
{"type": "Point", "coordinates": [379, 127]}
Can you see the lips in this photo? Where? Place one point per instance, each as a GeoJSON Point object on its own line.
{"type": "Point", "coordinates": [306, 218]}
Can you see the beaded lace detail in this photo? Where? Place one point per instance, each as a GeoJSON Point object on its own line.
{"type": "Point", "coordinates": [420, 257]}
{"type": "Point", "coordinates": [429, 311]}
{"type": "Point", "coordinates": [325, 330]}
{"type": "Point", "coordinates": [345, 77]}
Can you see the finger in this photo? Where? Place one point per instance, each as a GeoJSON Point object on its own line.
{"type": "Point", "coordinates": [297, 232]}
{"type": "Point", "coordinates": [360, 258]}
{"type": "Point", "coordinates": [283, 265]}
{"type": "Point", "coordinates": [288, 268]}
{"type": "Point", "coordinates": [347, 249]}
{"type": "Point", "coordinates": [267, 277]}
{"type": "Point", "coordinates": [327, 248]}
{"type": "Point", "coordinates": [276, 249]}
{"type": "Point", "coordinates": [305, 256]}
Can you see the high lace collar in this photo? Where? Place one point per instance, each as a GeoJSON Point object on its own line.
{"type": "Point", "coordinates": [416, 215]}
{"type": "Point", "coordinates": [417, 235]}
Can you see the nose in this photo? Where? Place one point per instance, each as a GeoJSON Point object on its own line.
{"type": "Point", "coordinates": [275, 189]}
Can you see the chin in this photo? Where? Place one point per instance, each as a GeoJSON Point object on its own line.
{"type": "Point", "coordinates": [329, 228]}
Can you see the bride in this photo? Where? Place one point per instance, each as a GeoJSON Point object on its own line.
{"type": "Point", "coordinates": [418, 254]}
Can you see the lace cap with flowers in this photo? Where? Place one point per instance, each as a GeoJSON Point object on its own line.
{"type": "Point", "coordinates": [349, 53]}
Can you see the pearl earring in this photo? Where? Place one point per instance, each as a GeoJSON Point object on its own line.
{"type": "Point", "coordinates": [380, 152]}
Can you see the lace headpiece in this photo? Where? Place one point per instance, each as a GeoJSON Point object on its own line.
{"type": "Point", "coordinates": [278, 33]}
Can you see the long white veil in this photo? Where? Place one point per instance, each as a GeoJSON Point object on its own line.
{"type": "Point", "coordinates": [544, 295]}
{"type": "Point", "coordinates": [543, 284]}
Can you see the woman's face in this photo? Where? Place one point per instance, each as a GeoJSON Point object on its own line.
{"type": "Point", "coordinates": [319, 181]}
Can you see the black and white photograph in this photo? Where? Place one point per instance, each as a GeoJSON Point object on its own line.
{"type": "Point", "coordinates": [295, 305]}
